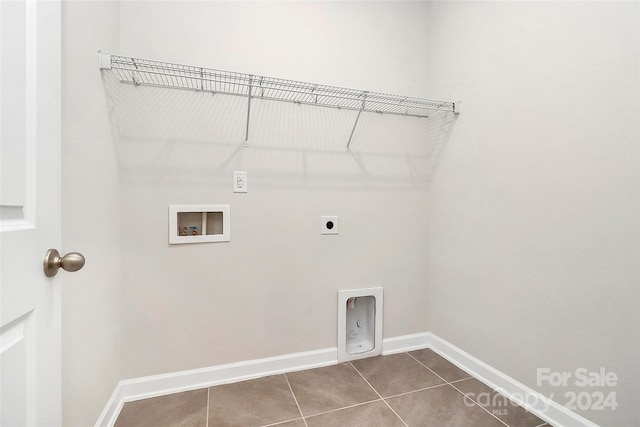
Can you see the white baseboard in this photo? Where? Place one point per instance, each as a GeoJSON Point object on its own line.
{"type": "Point", "coordinates": [112, 409]}
{"type": "Point", "coordinates": [406, 343]}
{"type": "Point", "coordinates": [158, 385]}
{"type": "Point", "coordinates": [546, 409]}
{"type": "Point", "coordinates": [175, 382]}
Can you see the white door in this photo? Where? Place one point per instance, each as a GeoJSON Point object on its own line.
{"type": "Point", "coordinates": [29, 212]}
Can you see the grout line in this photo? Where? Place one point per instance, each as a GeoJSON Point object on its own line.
{"type": "Point", "coordinates": [451, 383]}
{"type": "Point", "coordinates": [464, 379]}
{"type": "Point", "coordinates": [283, 422]}
{"type": "Point", "coordinates": [415, 391]}
{"type": "Point", "coordinates": [376, 391]}
{"type": "Point", "coordinates": [355, 405]}
{"type": "Point", "coordinates": [295, 400]}
{"type": "Point", "coordinates": [383, 399]}
{"type": "Point", "coordinates": [434, 372]}
{"type": "Point", "coordinates": [479, 405]}
{"type": "Point", "coordinates": [207, 415]}
{"type": "Point", "coordinates": [497, 392]}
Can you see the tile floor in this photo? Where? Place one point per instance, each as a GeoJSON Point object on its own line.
{"type": "Point", "coordinates": [413, 389]}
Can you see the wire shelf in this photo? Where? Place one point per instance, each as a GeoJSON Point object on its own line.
{"type": "Point", "coordinates": [164, 74]}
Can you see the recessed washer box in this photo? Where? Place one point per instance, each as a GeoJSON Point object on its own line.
{"type": "Point", "coordinates": [199, 224]}
{"type": "Point", "coordinates": [359, 323]}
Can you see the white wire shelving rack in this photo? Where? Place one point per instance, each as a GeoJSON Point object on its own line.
{"type": "Point", "coordinates": [147, 72]}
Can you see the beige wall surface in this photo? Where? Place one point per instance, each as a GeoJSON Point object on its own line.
{"type": "Point", "coordinates": [273, 288]}
{"type": "Point", "coordinates": [533, 244]}
{"type": "Point", "coordinates": [91, 298]}
{"type": "Point", "coordinates": [523, 251]}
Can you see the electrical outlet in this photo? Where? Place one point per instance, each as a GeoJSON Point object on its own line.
{"type": "Point", "coordinates": [239, 182]}
{"type": "Point", "coordinates": [329, 225]}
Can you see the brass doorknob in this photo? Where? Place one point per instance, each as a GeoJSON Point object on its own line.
{"type": "Point", "coordinates": [73, 261]}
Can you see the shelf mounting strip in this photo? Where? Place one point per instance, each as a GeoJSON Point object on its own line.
{"type": "Point", "coordinates": [146, 72]}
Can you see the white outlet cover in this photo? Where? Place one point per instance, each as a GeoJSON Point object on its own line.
{"type": "Point", "coordinates": [239, 182]}
{"type": "Point", "coordinates": [329, 225]}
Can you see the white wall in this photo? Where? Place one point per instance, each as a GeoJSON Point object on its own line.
{"type": "Point", "coordinates": [273, 289]}
{"type": "Point", "coordinates": [532, 252]}
{"type": "Point", "coordinates": [91, 298]}
{"type": "Point", "coordinates": [533, 242]}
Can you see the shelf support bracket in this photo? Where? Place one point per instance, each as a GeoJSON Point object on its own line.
{"type": "Point", "coordinates": [364, 96]}
{"type": "Point", "coordinates": [246, 133]}
{"type": "Point", "coordinates": [353, 129]}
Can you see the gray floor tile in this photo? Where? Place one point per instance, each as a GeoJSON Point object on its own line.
{"type": "Point", "coordinates": [332, 387]}
{"type": "Point", "coordinates": [441, 406]}
{"type": "Point", "coordinates": [250, 403]}
{"type": "Point", "coordinates": [188, 409]}
{"type": "Point", "coordinates": [439, 365]}
{"type": "Point", "coordinates": [294, 423]}
{"type": "Point", "coordinates": [366, 415]}
{"type": "Point", "coordinates": [497, 404]}
{"type": "Point", "coordinates": [395, 374]}
{"type": "Point", "coordinates": [339, 395]}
